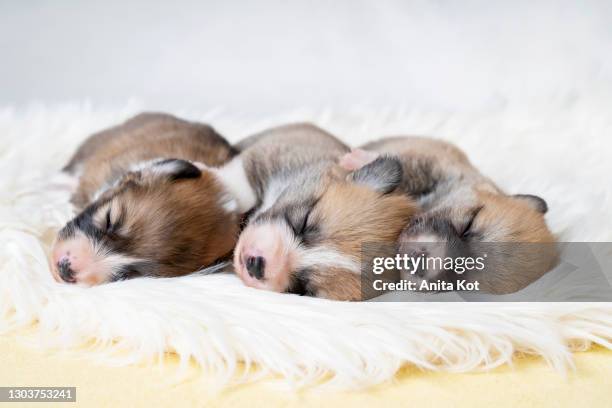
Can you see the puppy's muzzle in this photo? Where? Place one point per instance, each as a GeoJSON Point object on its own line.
{"type": "Point", "coordinates": [256, 266]}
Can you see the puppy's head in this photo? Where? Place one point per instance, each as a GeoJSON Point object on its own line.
{"type": "Point", "coordinates": [508, 232]}
{"type": "Point", "coordinates": [164, 218]}
{"type": "Point", "coordinates": [310, 239]}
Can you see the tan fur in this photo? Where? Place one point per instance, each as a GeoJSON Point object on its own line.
{"type": "Point", "coordinates": [191, 208]}
{"type": "Point", "coordinates": [360, 224]}
{"type": "Point", "coordinates": [144, 137]}
{"type": "Point", "coordinates": [352, 214]}
{"type": "Point", "coordinates": [314, 218]}
{"type": "Point", "coordinates": [168, 226]}
{"type": "Point", "coordinates": [521, 232]}
{"type": "Point", "coordinates": [339, 284]}
{"type": "Point", "coordinates": [526, 224]}
{"type": "Point", "coordinates": [511, 229]}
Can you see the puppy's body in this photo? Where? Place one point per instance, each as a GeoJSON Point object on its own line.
{"type": "Point", "coordinates": [306, 234]}
{"type": "Point", "coordinates": [465, 214]}
{"type": "Point", "coordinates": [149, 204]}
{"type": "Point", "coordinates": [293, 158]}
{"type": "Point", "coordinates": [106, 156]}
{"type": "Point", "coordinates": [438, 174]}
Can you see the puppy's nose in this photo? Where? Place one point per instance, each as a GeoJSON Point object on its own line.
{"type": "Point", "coordinates": [420, 252]}
{"type": "Point", "coordinates": [65, 272]}
{"type": "Point", "coordinates": [255, 266]}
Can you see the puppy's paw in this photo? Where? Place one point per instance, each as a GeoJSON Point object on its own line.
{"type": "Point", "coordinates": [356, 159]}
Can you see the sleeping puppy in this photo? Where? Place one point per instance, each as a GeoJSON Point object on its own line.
{"type": "Point", "coordinates": [149, 203]}
{"type": "Point", "coordinates": [464, 214]}
{"type": "Point", "coordinates": [307, 233]}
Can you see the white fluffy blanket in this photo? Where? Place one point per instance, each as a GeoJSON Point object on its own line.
{"type": "Point", "coordinates": [560, 150]}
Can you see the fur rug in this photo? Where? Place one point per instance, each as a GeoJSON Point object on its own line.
{"type": "Point", "coordinates": [560, 150]}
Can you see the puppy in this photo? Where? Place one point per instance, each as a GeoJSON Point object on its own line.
{"type": "Point", "coordinates": [308, 233]}
{"type": "Point", "coordinates": [149, 203]}
{"type": "Point", "coordinates": [464, 214]}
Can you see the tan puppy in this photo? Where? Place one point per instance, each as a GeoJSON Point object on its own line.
{"type": "Point", "coordinates": [465, 214]}
{"type": "Point", "coordinates": [307, 233]}
{"type": "Point", "coordinates": [150, 205]}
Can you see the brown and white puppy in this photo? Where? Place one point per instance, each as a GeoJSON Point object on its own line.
{"type": "Point", "coordinates": [465, 214]}
{"type": "Point", "coordinates": [307, 234]}
{"type": "Point", "coordinates": [149, 203]}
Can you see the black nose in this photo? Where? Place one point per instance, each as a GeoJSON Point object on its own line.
{"type": "Point", "coordinates": [415, 251]}
{"type": "Point", "coordinates": [65, 272]}
{"type": "Point", "coordinates": [255, 266]}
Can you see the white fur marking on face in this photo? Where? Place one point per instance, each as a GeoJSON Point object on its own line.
{"type": "Point", "coordinates": [161, 166]}
{"type": "Point", "coordinates": [234, 179]}
{"type": "Point", "coordinates": [134, 167]}
{"type": "Point", "coordinates": [106, 263]}
{"type": "Point", "coordinates": [153, 166]}
{"type": "Point", "coordinates": [105, 187]}
{"type": "Point", "coordinates": [273, 192]}
{"type": "Point", "coordinates": [147, 164]}
{"type": "Point", "coordinates": [326, 258]}
{"type": "Point", "coordinates": [115, 262]}
{"type": "Point", "coordinates": [426, 238]}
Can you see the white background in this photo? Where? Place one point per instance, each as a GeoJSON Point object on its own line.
{"type": "Point", "coordinates": [261, 57]}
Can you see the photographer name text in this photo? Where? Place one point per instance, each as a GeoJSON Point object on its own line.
{"type": "Point", "coordinates": [426, 286]}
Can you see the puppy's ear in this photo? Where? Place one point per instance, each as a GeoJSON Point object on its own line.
{"type": "Point", "coordinates": [384, 174]}
{"type": "Point", "coordinates": [173, 169]}
{"type": "Point", "coordinates": [356, 159]}
{"type": "Point", "coordinates": [534, 201]}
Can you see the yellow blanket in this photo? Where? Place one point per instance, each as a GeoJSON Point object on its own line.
{"type": "Point", "coordinates": [529, 383]}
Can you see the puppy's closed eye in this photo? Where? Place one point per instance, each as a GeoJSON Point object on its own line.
{"type": "Point", "coordinates": [301, 223]}
{"type": "Point", "coordinates": [467, 230]}
{"type": "Point", "coordinates": [109, 224]}
{"type": "Point", "coordinates": [109, 218]}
